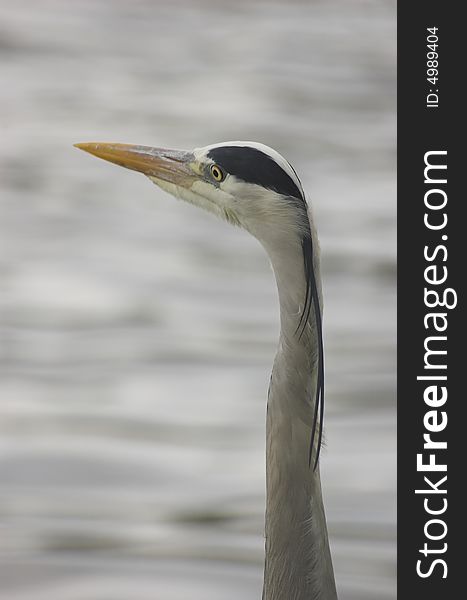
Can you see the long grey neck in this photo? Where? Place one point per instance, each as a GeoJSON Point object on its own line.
{"type": "Point", "coordinates": [298, 562]}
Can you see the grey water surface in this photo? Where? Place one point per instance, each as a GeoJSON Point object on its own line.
{"type": "Point", "coordinates": [137, 333]}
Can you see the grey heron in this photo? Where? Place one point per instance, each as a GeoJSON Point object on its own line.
{"type": "Point", "coordinates": [253, 186]}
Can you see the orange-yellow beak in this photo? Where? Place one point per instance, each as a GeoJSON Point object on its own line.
{"type": "Point", "coordinates": [172, 166]}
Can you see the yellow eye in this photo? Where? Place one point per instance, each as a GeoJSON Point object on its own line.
{"type": "Point", "coordinates": [216, 173]}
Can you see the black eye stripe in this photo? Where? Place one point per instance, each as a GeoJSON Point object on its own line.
{"type": "Point", "coordinates": [254, 166]}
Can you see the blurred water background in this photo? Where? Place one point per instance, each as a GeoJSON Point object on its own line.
{"type": "Point", "coordinates": [138, 333]}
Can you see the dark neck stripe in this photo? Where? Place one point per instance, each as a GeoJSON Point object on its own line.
{"type": "Point", "coordinates": [312, 297]}
{"type": "Point", "coordinates": [254, 166]}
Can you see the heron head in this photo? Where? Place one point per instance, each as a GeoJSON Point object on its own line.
{"type": "Point", "coordinates": [246, 183]}
{"type": "Point", "coordinates": [250, 185]}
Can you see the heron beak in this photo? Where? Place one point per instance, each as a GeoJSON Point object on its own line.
{"type": "Point", "coordinates": [172, 166]}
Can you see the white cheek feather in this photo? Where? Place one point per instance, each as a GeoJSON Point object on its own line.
{"type": "Point", "coordinates": [203, 195]}
{"type": "Point", "coordinates": [264, 213]}
{"type": "Point", "coordinates": [170, 188]}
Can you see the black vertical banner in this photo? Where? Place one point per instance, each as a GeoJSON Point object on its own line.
{"type": "Point", "coordinates": [431, 330]}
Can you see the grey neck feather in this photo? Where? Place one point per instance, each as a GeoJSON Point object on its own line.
{"type": "Point", "coordinates": [298, 563]}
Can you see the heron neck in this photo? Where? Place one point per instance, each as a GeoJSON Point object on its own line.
{"type": "Point", "coordinates": [298, 562]}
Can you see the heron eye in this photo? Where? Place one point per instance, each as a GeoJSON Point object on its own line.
{"type": "Point", "coordinates": [216, 173]}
